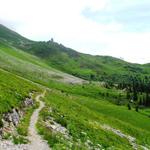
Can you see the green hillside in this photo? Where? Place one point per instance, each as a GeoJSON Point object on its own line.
{"type": "Point", "coordinates": [11, 36]}
{"type": "Point", "coordinates": [84, 117]}
{"type": "Point", "coordinates": [101, 68]}
{"type": "Point", "coordinates": [26, 65]}
{"type": "Point", "coordinates": [93, 115]}
{"type": "Point", "coordinates": [83, 65]}
{"type": "Point", "coordinates": [13, 90]}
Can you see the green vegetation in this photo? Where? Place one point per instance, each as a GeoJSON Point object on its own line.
{"type": "Point", "coordinates": [137, 91]}
{"type": "Point", "coordinates": [99, 68]}
{"type": "Point", "coordinates": [80, 114]}
{"type": "Point", "coordinates": [11, 36]}
{"type": "Point", "coordinates": [20, 140]}
{"type": "Point", "coordinates": [13, 90]}
{"type": "Point", "coordinates": [82, 109]}
{"type": "Point", "coordinates": [28, 66]}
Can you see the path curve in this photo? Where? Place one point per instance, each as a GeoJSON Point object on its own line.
{"type": "Point", "coordinates": [37, 143]}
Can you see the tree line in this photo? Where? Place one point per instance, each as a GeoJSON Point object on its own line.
{"type": "Point", "coordinates": [137, 90]}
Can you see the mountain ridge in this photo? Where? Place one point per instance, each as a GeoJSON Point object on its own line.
{"type": "Point", "coordinates": [86, 66]}
{"type": "Point", "coordinates": [107, 56]}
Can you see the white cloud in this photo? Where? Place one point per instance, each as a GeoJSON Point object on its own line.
{"type": "Point", "coordinates": [63, 20]}
{"type": "Point", "coordinates": [131, 46]}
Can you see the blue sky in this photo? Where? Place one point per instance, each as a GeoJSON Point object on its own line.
{"type": "Point", "coordinates": [134, 15]}
{"type": "Point", "coordinates": [118, 28]}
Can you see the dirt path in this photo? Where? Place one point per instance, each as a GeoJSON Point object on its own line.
{"type": "Point", "coordinates": [37, 143]}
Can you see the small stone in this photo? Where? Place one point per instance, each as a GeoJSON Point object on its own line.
{"type": "Point", "coordinates": [28, 102]}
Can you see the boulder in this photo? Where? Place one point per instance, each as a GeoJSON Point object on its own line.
{"type": "Point", "coordinates": [12, 117]}
{"type": "Point", "coordinates": [15, 117]}
{"type": "Point", "coordinates": [28, 102]}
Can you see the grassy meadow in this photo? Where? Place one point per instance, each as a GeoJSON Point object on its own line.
{"type": "Point", "coordinates": [80, 108]}
{"type": "Point", "coordinates": [83, 117]}
{"type": "Point", "coordinates": [13, 90]}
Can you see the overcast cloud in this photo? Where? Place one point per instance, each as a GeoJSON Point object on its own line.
{"type": "Point", "coordinates": [117, 28]}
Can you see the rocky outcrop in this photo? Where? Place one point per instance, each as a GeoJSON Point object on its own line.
{"type": "Point", "coordinates": [11, 119]}
{"type": "Point", "coordinates": [28, 102]}
{"type": "Point", "coordinates": [54, 126]}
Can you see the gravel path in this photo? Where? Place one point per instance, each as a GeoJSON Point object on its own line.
{"type": "Point", "coordinates": [37, 143]}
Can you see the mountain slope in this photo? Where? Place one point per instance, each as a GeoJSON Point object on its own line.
{"type": "Point", "coordinates": [83, 65]}
{"type": "Point", "coordinates": [102, 68]}
{"type": "Point", "coordinates": [75, 116]}
{"type": "Point", "coordinates": [82, 116]}
{"type": "Point", "coordinates": [11, 36]}
{"type": "Point", "coordinates": [13, 90]}
{"type": "Point", "coordinates": [26, 65]}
